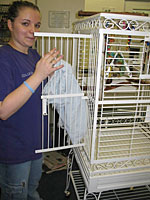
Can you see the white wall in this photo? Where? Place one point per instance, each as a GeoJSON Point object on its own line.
{"type": "Point", "coordinates": [59, 5]}
{"type": "Point", "coordinates": [117, 5]}
{"type": "Point", "coordinates": [102, 5]}
{"type": "Point", "coordinates": [131, 6]}
{"type": "Point", "coordinates": [10, 1]}
{"type": "Point", "coordinates": [5, 1]}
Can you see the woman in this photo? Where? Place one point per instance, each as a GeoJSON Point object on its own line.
{"type": "Point", "coordinates": [21, 74]}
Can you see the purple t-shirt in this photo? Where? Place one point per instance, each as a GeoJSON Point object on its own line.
{"type": "Point", "coordinates": [20, 134]}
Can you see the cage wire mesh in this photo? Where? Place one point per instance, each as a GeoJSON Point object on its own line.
{"type": "Point", "coordinates": [65, 118]}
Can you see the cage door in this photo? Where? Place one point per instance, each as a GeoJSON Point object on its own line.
{"type": "Point", "coordinates": [64, 106]}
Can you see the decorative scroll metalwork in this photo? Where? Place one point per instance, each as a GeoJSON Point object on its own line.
{"type": "Point", "coordinates": [129, 165]}
{"type": "Point", "coordinates": [115, 22]}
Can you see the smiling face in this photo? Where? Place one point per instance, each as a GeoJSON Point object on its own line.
{"type": "Point", "coordinates": [23, 27]}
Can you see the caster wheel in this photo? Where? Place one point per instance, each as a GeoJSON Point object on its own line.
{"type": "Point", "coordinates": [67, 193]}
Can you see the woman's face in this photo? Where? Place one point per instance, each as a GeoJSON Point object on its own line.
{"type": "Point", "coordinates": [23, 28]}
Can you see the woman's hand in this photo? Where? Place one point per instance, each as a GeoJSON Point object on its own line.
{"type": "Point", "coordinates": [17, 98]}
{"type": "Point", "coordinates": [45, 66]}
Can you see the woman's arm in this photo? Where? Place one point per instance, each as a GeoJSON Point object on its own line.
{"type": "Point", "coordinates": [16, 99]}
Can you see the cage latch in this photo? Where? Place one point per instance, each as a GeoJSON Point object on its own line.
{"type": "Point", "coordinates": [44, 106]}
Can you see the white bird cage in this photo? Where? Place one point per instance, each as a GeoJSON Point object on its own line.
{"type": "Point", "coordinates": [111, 64]}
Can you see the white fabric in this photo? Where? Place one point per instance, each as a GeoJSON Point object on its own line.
{"type": "Point", "coordinates": [73, 112]}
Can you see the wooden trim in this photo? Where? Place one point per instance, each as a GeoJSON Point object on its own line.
{"type": "Point", "coordinates": [82, 13]}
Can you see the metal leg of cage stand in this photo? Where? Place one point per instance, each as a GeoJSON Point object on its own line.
{"type": "Point", "coordinates": [69, 169]}
{"type": "Point", "coordinates": [91, 195]}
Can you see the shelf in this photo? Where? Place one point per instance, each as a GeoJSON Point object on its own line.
{"type": "Point", "coordinates": [140, 192]}
{"type": "Point", "coordinates": [4, 32]}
